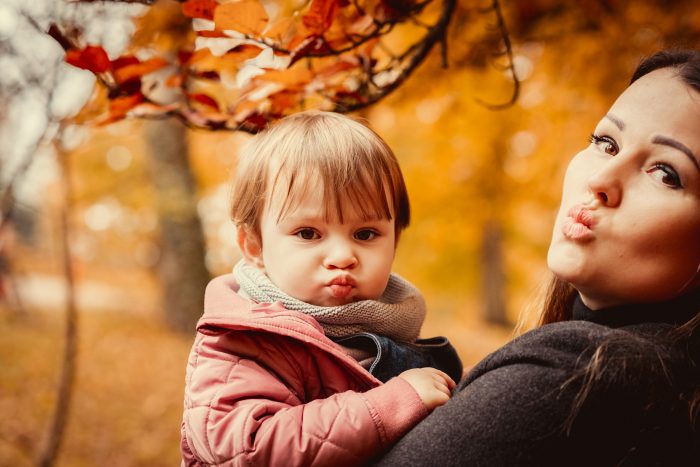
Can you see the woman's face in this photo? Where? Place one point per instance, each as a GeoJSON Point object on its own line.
{"type": "Point", "coordinates": [628, 229]}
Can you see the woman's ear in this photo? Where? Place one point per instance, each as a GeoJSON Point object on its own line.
{"type": "Point", "coordinates": [250, 246]}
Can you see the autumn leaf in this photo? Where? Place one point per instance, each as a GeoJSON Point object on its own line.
{"type": "Point", "coordinates": [247, 17]}
{"type": "Point", "coordinates": [362, 26]}
{"type": "Point", "coordinates": [123, 61]}
{"type": "Point", "coordinates": [119, 107]}
{"type": "Point", "coordinates": [255, 121]}
{"type": "Point", "coordinates": [281, 30]}
{"type": "Point", "coordinates": [215, 33]}
{"type": "Point", "coordinates": [183, 56]}
{"type": "Point", "coordinates": [204, 99]}
{"type": "Point", "coordinates": [243, 52]}
{"type": "Point", "coordinates": [199, 8]}
{"type": "Point", "coordinates": [136, 70]}
{"type": "Point", "coordinates": [320, 15]}
{"type": "Point", "coordinates": [292, 78]}
{"type": "Point", "coordinates": [283, 101]}
{"type": "Point", "coordinates": [92, 58]}
{"type": "Point", "coordinates": [338, 67]}
{"type": "Point", "coordinates": [307, 46]}
{"type": "Point", "coordinates": [174, 81]}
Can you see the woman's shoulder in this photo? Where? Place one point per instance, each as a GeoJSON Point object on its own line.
{"type": "Point", "coordinates": [565, 346]}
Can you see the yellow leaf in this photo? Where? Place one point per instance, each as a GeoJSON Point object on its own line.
{"type": "Point", "coordinates": [247, 17]}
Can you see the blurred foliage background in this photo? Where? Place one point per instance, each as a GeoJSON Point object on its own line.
{"type": "Point", "coordinates": [484, 186]}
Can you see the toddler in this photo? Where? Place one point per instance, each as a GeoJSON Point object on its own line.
{"type": "Point", "coordinates": [309, 352]}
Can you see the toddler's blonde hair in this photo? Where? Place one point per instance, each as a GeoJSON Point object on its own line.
{"type": "Point", "coordinates": [347, 158]}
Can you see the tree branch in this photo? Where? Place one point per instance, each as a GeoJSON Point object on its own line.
{"type": "Point", "coordinates": [510, 66]}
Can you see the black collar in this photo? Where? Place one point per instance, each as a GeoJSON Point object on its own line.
{"type": "Point", "coordinates": [676, 312]}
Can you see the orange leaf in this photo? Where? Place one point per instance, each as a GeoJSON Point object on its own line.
{"type": "Point", "coordinates": [175, 81]}
{"type": "Point", "coordinates": [362, 26]}
{"type": "Point", "coordinates": [246, 16]}
{"type": "Point", "coordinates": [320, 15]}
{"type": "Point", "coordinates": [280, 30]}
{"type": "Point", "coordinates": [243, 52]}
{"type": "Point", "coordinates": [204, 99]}
{"type": "Point", "coordinates": [137, 70]}
{"type": "Point", "coordinates": [92, 58]}
{"type": "Point", "coordinates": [337, 67]}
{"type": "Point", "coordinates": [282, 101]}
{"type": "Point", "coordinates": [121, 105]}
{"type": "Point", "coordinates": [199, 8]}
{"type": "Point", "coordinates": [295, 77]}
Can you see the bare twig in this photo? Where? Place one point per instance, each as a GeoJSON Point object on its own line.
{"type": "Point", "coordinates": [47, 457]}
{"type": "Point", "coordinates": [510, 65]}
{"type": "Point", "coordinates": [418, 54]}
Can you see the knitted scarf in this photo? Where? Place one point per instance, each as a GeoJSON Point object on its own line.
{"type": "Point", "coordinates": [397, 314]}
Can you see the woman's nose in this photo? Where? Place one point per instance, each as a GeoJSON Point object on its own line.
{"type": "Point", "coordinates": [606, 184]}
{"type": "Point", "coordinates": [340, 255]}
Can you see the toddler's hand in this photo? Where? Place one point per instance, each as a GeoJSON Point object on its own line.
{"type": "Point", "coordinates": [432, 385]}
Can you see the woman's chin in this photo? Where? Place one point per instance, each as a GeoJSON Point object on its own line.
{"type": "Point", "coordinates": [567, 262]}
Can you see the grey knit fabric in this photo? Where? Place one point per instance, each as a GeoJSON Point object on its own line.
{"type": "Point", "coordinates": [397, 314]}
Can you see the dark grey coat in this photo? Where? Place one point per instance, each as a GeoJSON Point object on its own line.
{"type": "Point", "coordinates": [514, 408]}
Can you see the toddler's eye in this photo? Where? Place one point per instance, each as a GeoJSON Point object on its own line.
{"type": "Point", "coordinates": [307, 234]}
{"type": "Point", "coordinates": [365, 234]}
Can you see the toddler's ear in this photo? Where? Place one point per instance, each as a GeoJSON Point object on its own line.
{"type": "Point", "coordinates": [250, 246]}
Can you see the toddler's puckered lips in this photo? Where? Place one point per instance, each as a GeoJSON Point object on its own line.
{"type": "Point", "coordinates": [579, 223]}
{"type": "Point", "coordinates": [341, 287]}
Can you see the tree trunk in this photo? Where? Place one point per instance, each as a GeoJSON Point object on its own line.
{"type": "Point", "coordinates": [493, 277]}
{"type": "Point", "coordinates": [181, 267]}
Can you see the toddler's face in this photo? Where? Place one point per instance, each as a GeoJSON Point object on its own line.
{"type": "Point", "coordinates": [325, 262]}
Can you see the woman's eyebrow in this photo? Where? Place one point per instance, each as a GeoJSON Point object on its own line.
{"type": "Point", "coordinates": [618, 123]}
{"type": "Point", "coordinates": [677, 145]}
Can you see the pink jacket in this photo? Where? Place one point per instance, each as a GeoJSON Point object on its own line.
{"type": "Point", "coordinates": [265, 386]}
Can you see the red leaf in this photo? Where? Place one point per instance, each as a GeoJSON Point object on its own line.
{"type": "Point", "coordinates": [311, 45]}
{"type": "Point", "coordinates": [92, 58]}
{"type": "Point", "coordinates": [204, 99]}
{"type": "Point", "coordinates": [214, 33]}
{"type": "Point", "coordinates": [123, 61]}
{"type": "Point", "coordinates": [320, 15]}
{"type": "Point", "coordinates": [200, 9]}
{"type": "Point", "coordinates": [183, 56]}
{"type": "Point", "coordinates": [254, 121]}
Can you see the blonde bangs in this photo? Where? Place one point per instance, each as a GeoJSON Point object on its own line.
{"type": "Point", "coordinates": [352, 164]}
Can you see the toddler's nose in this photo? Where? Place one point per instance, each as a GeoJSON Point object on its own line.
{"type": "Point", "coordinates": [340, 256]}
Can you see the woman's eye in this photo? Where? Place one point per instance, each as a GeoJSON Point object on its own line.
{"type": "Point", "coordinates": [606, 143]}
{"type": "Point", "coordinates": [365, 234]}
{"type": "Point", "coordinates": [666, 175]}
{"type": "Point", "coordinates": [307, 234]}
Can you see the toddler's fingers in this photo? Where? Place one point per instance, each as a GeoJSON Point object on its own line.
{"type": "Point", "coordinates": [444, 377]}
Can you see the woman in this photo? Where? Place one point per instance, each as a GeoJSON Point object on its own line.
{"type": "Point", "coordinates": [611, 378]}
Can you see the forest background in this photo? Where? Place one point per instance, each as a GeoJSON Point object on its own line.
{"type": "Point", "coordinates": [484, 185]}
